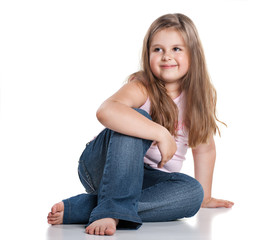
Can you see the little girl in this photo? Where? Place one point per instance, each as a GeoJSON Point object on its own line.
{"type": "Point", "coordinates": [131, 169]}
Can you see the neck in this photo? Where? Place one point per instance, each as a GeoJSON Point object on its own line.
{"type": "Point", "coordinates": [173, 90]}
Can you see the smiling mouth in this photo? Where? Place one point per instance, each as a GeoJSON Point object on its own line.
{"type": "Point", "coordinates": [168, 66]}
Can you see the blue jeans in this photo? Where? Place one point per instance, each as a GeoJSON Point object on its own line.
{"type": "Point", "coordinates": [119, 185]}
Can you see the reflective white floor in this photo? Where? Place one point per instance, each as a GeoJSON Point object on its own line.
{"type": "Point", "coordinates": [208, 224]}
{"type": "Point", "coordinates": [52, 82]}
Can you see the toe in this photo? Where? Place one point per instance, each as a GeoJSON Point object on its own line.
{"type": "Point", "coordinates": [102, 230]}
{"type": "Point", "coordinates": [90, 230]}
{"type": "Point", "coordinates": [110, 231]}
{"type": "Point", "coordinates": [97, 230]}
{"type": "Point", "coordinates": [50, 221]}
{"type": "Point", "coordinates": [54, 209]}
{"type": "Point", "coordinates": [56, 215]}
{"type": "Point", "coordinates": [58, 207]}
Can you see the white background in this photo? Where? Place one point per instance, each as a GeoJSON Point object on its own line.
{"type": "Point", "coordinates": [59, 60]}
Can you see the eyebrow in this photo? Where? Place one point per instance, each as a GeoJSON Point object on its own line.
{"type": "Point", "coordinates": [174, 45]}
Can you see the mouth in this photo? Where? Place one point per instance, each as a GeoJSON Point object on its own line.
{"type": "Point", "coordinates": [168, 66]}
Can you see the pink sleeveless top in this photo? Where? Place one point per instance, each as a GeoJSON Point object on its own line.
{"type": "Point", "coordinates": [153, 155]}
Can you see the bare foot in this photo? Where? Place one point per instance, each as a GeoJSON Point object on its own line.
{"type": "Point", "coordinates": [105, 226]}
{"type": "Point", "coordinates": [56, 214]}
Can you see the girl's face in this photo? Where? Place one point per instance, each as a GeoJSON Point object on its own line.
{"type": "Point", "coordinates": [169, 57]}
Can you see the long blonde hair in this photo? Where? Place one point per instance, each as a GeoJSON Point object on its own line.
{"type": "Point", "coordinates": [200, 113]}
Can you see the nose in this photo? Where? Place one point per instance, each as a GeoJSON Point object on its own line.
{"type": "Point", "coordinates": [167, 56]}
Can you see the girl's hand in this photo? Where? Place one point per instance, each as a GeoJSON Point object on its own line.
{"type": "Point", "coordinates": [167, 147]}
{"type": "Point", "coordinates": [216, 203]}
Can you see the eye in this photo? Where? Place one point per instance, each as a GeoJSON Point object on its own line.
{"type": "Point", "coordinates": [176, 49]}
{"type": "Point", "coordinates": [157, 49]}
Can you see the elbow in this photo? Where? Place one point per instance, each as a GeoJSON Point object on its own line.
{"type": "Point", "coordinates": [101, 114]}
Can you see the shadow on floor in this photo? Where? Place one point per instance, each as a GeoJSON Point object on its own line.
{"type": "Point", "coordinates": [198, 227]}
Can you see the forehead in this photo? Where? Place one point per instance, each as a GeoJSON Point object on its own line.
{"type": "Point", "coordinates": [168, 36]}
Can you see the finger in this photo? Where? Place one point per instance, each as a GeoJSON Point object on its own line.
{"type": "Point", "coordinates": [162, 163]}
{"type": "Point", "coordinates": [223, 203]}
{"type": "Point", "coordinates": [229, 204]}
{"type": "Point", "coordinates": [164, 160]}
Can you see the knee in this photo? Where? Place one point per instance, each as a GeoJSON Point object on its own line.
{"type": "Point", "coordinates": [143, 112]}
{"type": "Point", "coordinates": [198, 195]}
{"type": "Point", "coordinates": [192, 195]}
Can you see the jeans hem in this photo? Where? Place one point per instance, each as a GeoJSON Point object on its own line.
{"type": "Point", "coordinates": [67, 211]}
{"type": "Point", "coordinates": [125, 221]}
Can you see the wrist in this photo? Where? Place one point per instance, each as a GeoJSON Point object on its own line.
{"type": "Point", "coordinates": [162, 132]}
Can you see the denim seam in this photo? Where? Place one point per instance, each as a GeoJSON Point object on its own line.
{"type": "Point", "coordinates": [107, 160]}
{"type": "Point", "coordinates": [88, 180]}
{"type": "Point", "coordinates": [70, 210]}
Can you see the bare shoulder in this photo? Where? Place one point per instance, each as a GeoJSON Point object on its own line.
{"type": "Point", "coordinates": [132, 94]}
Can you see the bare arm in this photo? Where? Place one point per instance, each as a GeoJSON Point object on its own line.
{"type": "Point", "coordinates": [204, 161]}
{"type": "Point", "coordinates": [117, 113]}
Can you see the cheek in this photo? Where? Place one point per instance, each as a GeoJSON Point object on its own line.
{"type": "Point", "coordinates": [153, 64]}
{"type": "Point", "coordinates": [184, 63]}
